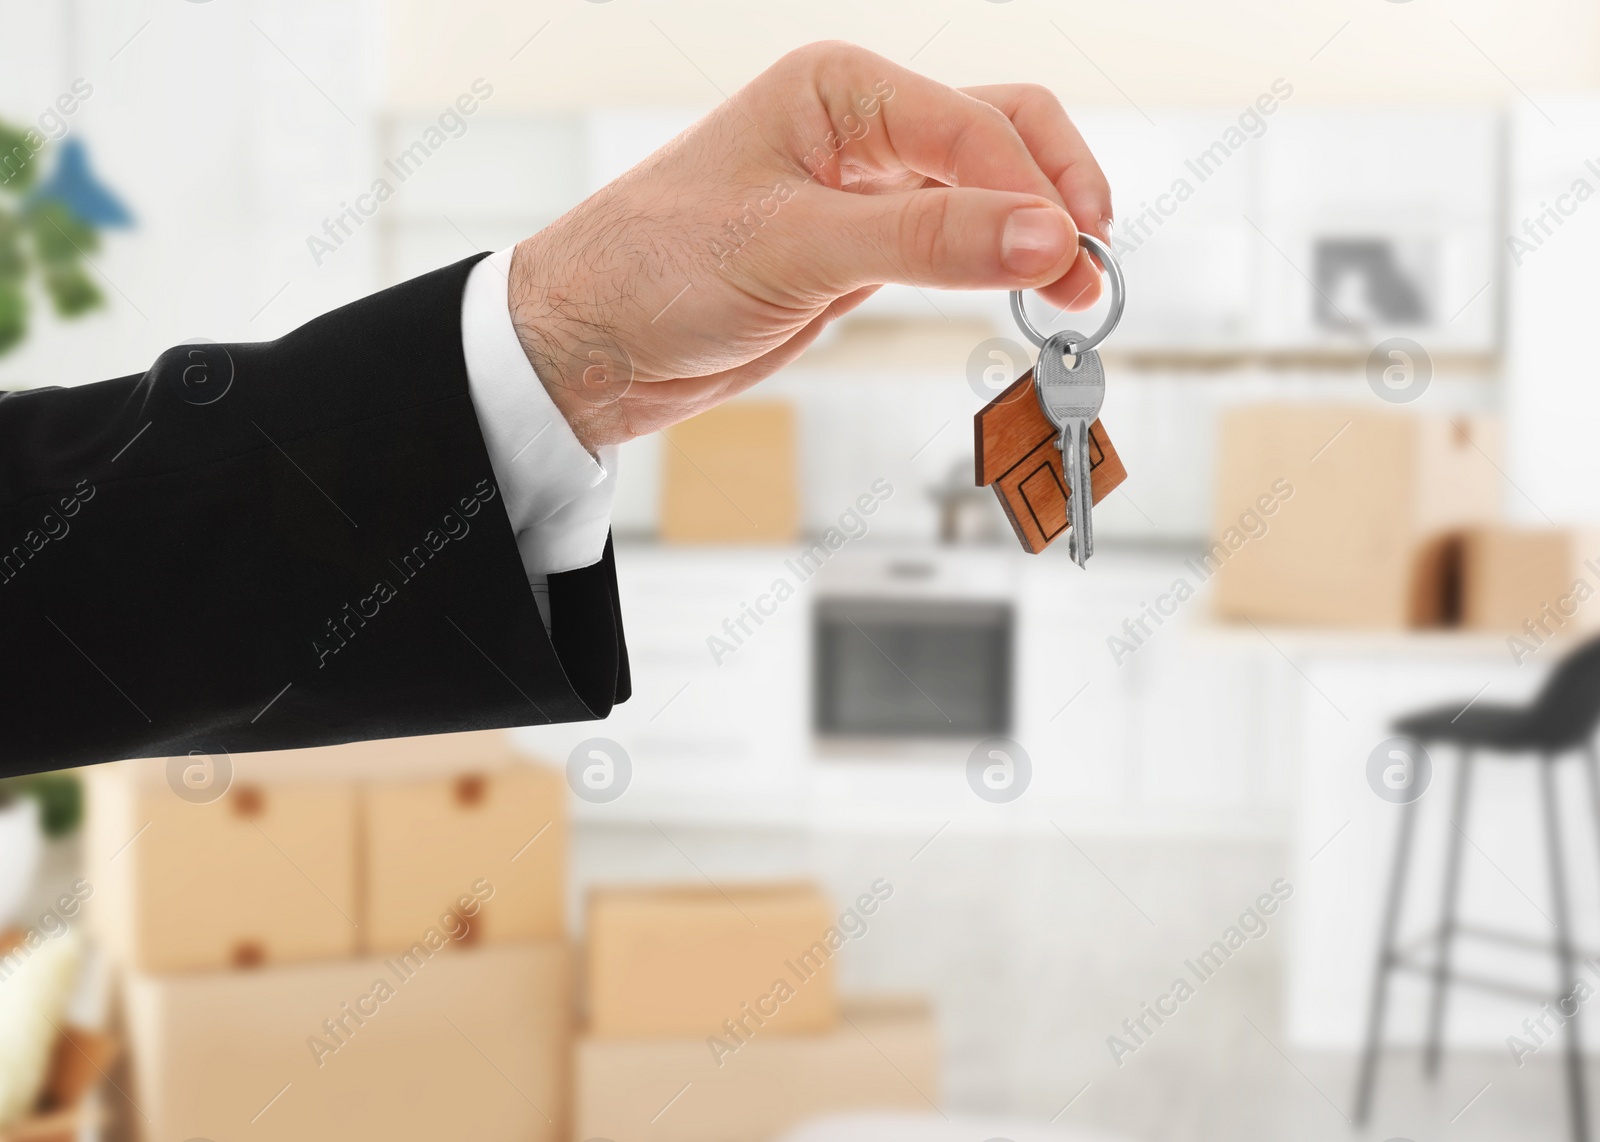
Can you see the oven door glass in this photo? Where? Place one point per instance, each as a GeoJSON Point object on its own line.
{"type": "Point", "coordinates": [916, 669]}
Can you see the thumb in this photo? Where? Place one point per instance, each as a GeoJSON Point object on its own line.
{"type": "Point", "coordinates": [950, 237]}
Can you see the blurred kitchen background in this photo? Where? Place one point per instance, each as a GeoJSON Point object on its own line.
{"type": "Point", "coordinates": [1355, 395]}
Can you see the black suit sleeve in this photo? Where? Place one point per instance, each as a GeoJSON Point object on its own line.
{"type": "Point", "coordinates": [268, 546]}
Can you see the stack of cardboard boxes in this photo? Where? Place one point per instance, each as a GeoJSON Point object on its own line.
{"type": "Point", "coordinates": [731, 475]}
{"type": "Point", "coordinates": [370, 941]}
{"type": "Point", "coordinates": [1532, 583]}
{"type": "Point", "coordinates": [357, 942]}
{"type": "Point", "coordinates": [1342, 516]}
{"type": "Point", "coordinates": [66, 1111]}
{"type": "Point", "coordinates": [714, 1014]}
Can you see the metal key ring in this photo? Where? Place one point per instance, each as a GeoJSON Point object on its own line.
{"type": "Point", "coordinates": [1119, 296]}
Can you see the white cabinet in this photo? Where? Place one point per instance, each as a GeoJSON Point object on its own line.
{"type": "Point", "coordinates": [710, 733]}
{"type": "Point", "coordinates": [1179, 223]}
{"type": "Point", "coordinates": [1177, 734]}
{"type": "Point", "coordinates": [1169, 725]}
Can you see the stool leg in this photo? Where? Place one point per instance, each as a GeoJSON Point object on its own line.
{"type": "Point", "coordinates": [1460, 803]}
{"type": "Point", "coordinates": [1576, 1099]}
{"type": "Point", "coordinates": [1591, 760]}
{"type": "Point", "coordinates": [1385, 963]}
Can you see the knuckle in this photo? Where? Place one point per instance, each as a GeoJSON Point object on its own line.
{"type": "Point", "coordinates": [992, 120]}
{"type": "Point", "coordinates": [820, 55]}
{"type": "Point", "coordinates": [1039, 95]}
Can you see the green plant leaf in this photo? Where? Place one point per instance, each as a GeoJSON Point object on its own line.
{"type": "Point", "coordinates": [72, 290]}
{"type": "Point", "coordinates": [13, 315]}
{"type": "Point", "coordinates": [60, 800]}
{"type": "Point", "coordinates": [59, 236]}
{"type": "Point", "coordinates": [13, 262]}
{"type": "Point", "coordinates": [19, 164]}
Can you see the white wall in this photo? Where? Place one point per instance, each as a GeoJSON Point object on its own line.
{"type": "Point", "coordinates": [1553, 389]}
{"type": "Point", "coordinates": [227, 155]}
{"type": "Point", "coordinates": [1150, 52]}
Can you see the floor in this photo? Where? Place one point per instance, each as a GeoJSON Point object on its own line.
{"type": "Point", "coordinates": [1035, 949]}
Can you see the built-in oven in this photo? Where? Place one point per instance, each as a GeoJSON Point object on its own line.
{"type": "Point", "coordinates": [912, 652]}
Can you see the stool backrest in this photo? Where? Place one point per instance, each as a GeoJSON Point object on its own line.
{"type": "Point", "coordinates": [1568, 707]}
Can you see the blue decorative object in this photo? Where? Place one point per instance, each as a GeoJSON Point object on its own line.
{"type": "Point", "coordinates": [74, 185]}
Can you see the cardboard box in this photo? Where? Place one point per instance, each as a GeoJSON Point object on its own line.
{"type": "Point", "coordinates": [884, 1057]}
{"type": "Point", "coordinates": [262, 874]}
{"type": "Point", "coordinates": [467, 1045]}
{"type": "Point", "coordinates": [1514, 577]}
{"type": "Point", "coordinates": [731, 476]}
{"type": "Point", "coordinates": [80, 1059]}
{"type": "Point", "coordinates": [490, 847]}
{"type": "Point", "coordinates": [1341, 516]}
{"type": "Point", "coordinates": [683, 961]}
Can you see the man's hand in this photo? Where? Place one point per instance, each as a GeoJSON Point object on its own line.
{"type": "Point", "coordinates": [717, 260]}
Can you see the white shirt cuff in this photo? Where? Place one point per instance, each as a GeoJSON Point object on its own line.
{"type": "Point", "coordinates": [557, 494]}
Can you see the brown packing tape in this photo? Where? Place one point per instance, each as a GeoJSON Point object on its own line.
{"type": "Point", "coordinates": [259, 875]}
{"type": "Point", "coordinates": [487, 848]}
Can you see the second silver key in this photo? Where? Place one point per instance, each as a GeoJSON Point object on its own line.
{"type": "Point", "coordinates": [1071, 396]}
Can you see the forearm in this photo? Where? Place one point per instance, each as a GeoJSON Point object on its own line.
{"type": "Point", "coordinates": [304, 545]}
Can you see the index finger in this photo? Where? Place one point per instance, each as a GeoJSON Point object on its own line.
{"type": "Point", "coordinates": [1058, 147]}
{"type": "Point", "coordinates": [884, 119]}
{"type": "Point", "coordinates": [923, 126]}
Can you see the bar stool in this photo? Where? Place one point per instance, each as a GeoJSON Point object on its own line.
{"type": "Point", "coordinates": [1561, 719]}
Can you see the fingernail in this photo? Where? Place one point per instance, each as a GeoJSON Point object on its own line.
{"type": "Point", "coordinates": [1105, 229]}
{"type": "Point", "coordinates": [1035, 239]}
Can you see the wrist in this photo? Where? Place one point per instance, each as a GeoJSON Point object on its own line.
{"type": "Point", "coordinates": [567, 344]}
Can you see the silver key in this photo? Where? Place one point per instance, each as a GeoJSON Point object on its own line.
{"type": "Point", "coordinates": [1070, 397]}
